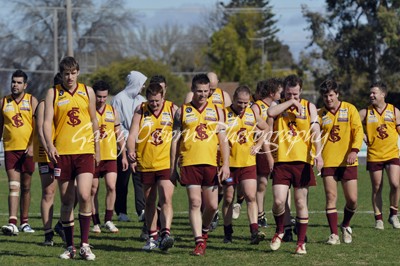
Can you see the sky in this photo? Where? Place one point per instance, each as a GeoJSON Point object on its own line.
{"type": "Point", "coordinates": [288, 14]}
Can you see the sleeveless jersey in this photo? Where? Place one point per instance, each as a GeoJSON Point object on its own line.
{"type": "Point", "coordinates": [382, 134]}
{"type": "Point", "coordinates": [18, 122]}
{"type": "Point", "coordinates": [263, 107]}
{"type": "Point", "coordinates": [292, 135]}
{"type": "Point", "coordinates": [108, 140]}
{"type": "Point", "coordinates": [240, 134]}
{"type": "Point", "coordinates": [341, 133]}
{"type": "Point", "coordinates": [217, 98]}
{"type": "Point", "coordinates": [153, 144]}
{"type": "Point", "coordinates": [39, 153]}
{"type": "Point", "coordinates": [73, 126]}
{"type": "Point", "coordinates": [199, 139]}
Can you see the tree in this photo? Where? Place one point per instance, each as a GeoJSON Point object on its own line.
{"type": "Point", "coordinates": [245, 49]}
{"type": "Point", "coordinates": [99, 37]}
{"type": "Point", "coordinates": [359, 42]}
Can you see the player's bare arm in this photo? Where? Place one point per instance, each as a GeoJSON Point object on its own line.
{"type": "Point", "coordinates": [363, 115]}
{"type": "Point", "coordinates": [120, 141]}
{"type": "Point", "coordinates": [316, 137]}
{"type": "Point", "coordinates": [177, 127]}
{"type": "Point", "coordinates": [95, 124]}
{"type": "Point", "coordinates": [357, 138]}
{"type": "Point", "coordinates": [48, 124]}
{"type": "Point", "coordinates": [397, 120]}
{"type": "Point", "coordinates": [189, 97]}
{"type": "Point", "coordinates": [224, 171]}
{"type": "Point", "coordinates": [1, 119]}
{"type": "Point", "coordinates": [133, 134]}
{"type": "Point", "coordinates": [29, 150]}
{"type": "Point", "coordinates": [227, 99]}
{"type": "Point", "coordinates": [276, 109]}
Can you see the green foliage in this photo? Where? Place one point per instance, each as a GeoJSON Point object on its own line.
{"type": "Point", "coordinates": [116, 73]}
{"type": "Point", "coordinates": [357, 42]}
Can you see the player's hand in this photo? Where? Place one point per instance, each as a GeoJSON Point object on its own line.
{"type": "Point", "coordinates": [29, 151]}
{"type": "Point", "coordinates": [352, 157]}
{"type": "Point", "coordinates": [53, 154]}
{"type": "Point", "coordinates": [223, 173]}
{"type": "Point", "coordinates": [174, 177]}
{"type": "Point", "coordinates": [125, 164]}
{"type": "Point", "coordinates": [133, 167]}
{"type": "Point", "coordinates": [97, 158]}
{"type": "Point", "coordinates": [296, 104]}
{"type": "Point", "coordinates": [132, 157]}
{"type": "Point", "coordinates": [270, 161]}
{"type": "Point", "coordinates": [319, 163]}
{"type": "Point", "coordinates": [255, 149]}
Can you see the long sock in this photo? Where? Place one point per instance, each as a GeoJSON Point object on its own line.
{"type": "Point", "coordinates": [301, 224]}
{"type": "Point", "coordinates": [253, 228]}
{"type": "Point", "coordinates": [279, 221]}
{"type": "Point", "coordinates": [378, 216]}
{"type": "Point", "coordinates": [96, 218]}
{"type": "Point", "coordinates": [332, 216]}
{"type": "Point", "coordinates": [393, 211]}
{"type": "Point", "coordinates": [348, 214]}
{"type": "Point", "coordinates": [84, 222]}
{"type": "Point", "coordinates": [108, 216]}
{"type": "Point", "coordinates": [68, 227]}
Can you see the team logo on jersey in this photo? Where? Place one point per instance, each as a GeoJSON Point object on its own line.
{"type": "Point", "coordinates": [146, 114]}
{"type": "Point", "coordinates": [103, 131]}
{"type": "Point", "coordinates": [9, 100]}
{"type": "Point", "coordinates": [371, 112]}
{"type": "Point", "coordinates": [389, 116]}
{"type": "Point", "coordinates": [17, 120]}
{"type": "Point", "coordinates": [61, 93]}
{"type": "Point", "coordinates": [156, 137]}
{"type": "Point", "coordinates": [230, 114]}
{"type": "Point", "coordinates": [382, 134]}
{"type": "Point", "coordinates": [188, 109]}
{"type": "Point", "coordinates": [334, 134]}
{"type": "Point", "coordinates": [201, 132]}
{"type": "Point", "coordinates": [292, 128]}
{"type": "Point", "coordinates": [73, 115]}
{"type": "Point", "coordinates": [82, 93]}
{"type": "Point", "coordinates": [241, 136]}
{"type": "Point", "coordinates": [25, 105]}
{"type": "Point", "coordinates": [343, 115]}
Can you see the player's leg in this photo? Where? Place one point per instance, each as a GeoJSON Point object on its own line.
{"type": "Point", "coordinates": [300, 200]}
{"type": "Point", "coordinates": [150, 195]}
{"type": "Point", "coordinates": [279, 192]}
{"type": "Point", "coordinates": [166, 192]}
{"type": "Point", "coordinates": [195, 197]}
{"type": "Point", "coordinates": [46, 205]}
{"type": "Point", "coordinates": [376, 196]}
{"type": "Point", "coordinates": [262, 182]}
{"type": "Point", "coordinates": [330, 187]}
{"type": "Point", "coordinates": [110, 180]}
{"type": "Point", "coordinates": [227, 211]}
{"type": "Point", "coordinates": [95, 206]}
{"type": "Point", "coordinates": [393, 172]}
{"type": "Point", "coordinates": [350, 193]}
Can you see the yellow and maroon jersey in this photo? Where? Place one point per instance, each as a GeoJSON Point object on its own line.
{"type": "Point", "coordinates": [199, 139]}
{"type": "Point", "coordinates": [39, 153]}
{"type": "Point", "coordinates": [263, 107]}
{"type": "Point", "coordinates": [107, 138]}
{"type": "Point", "coordinates": [153, 143]}
{"type": "Point", "coordinates": [73, 126]}
{"type": "Point", "coordinates": [18, 122]}
{"type": "Point", "coordinates": [240, 134]}
{"type": "Point", "coordinates": [342, 133]}
{"type": "Point", "coordinates": [382, 134]}
{"type": "Point", "coordinates": [292, 135]}
{"type": "Point", "coordinates": [217, 98]}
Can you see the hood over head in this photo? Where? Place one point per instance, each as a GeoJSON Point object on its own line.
{"type": "Point", "coordinates": [134, 83]}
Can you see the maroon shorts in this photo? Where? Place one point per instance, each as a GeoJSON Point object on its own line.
{"type": "Point", "coordinates": [69, 166]}
{"type": "Point", "coordinates": [298, 174]}
{"type": "Point", "coordinates": [376, 166]}
{"type": "Point", "coordinates": [262, 164]}
{"type": "Point", "coordinates": [46, 168]}
{"type": "Point", "coordinates": [151, 178]}
{"type": "Point", "coordinates": [239, 174]}
{"type": "Point", "coordinates": [341, 173]}
{"type": "Point", "coordinates": [201, 174]}
{"type": "Point", "coordinates": [106, 166]}
{"type": "Point", "coordinates": [18, 161]}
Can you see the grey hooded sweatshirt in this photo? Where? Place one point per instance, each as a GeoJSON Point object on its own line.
{"type": "Point", "coordinates": [126, 101]}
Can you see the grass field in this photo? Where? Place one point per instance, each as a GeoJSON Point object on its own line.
{"type": "Point", "coordinates": [369, 245]}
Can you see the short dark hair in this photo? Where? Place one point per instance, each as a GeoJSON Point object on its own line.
{"type": "Point", "coordinates": [200, 79]}
{"type": "Point", "coordinates": [381, 85]}
{"type": "Point", "coordinates": [20, 74]}
{"type": "Point", "coordinates": [68, 63]}
{"type": "Point", "coordinates": [240, 89]}
{"type": "Point", "coordinates": [328, 85]}
{"type": "Point", "coordinates": [270, 86]}
{"type": "Point", "coordinates": [101, 85]}
{"type": "Point", "coordinates": [292, 81]}
{"type": "Point", "coordinates": [158, 79]}
{"type": "Point", "coordinates": [153, 89]}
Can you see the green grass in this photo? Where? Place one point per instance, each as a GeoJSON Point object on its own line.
{"type": "Point", "coordinates": [369, 245]}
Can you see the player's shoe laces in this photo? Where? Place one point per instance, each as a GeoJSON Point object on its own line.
{"type": "Point", "coordinates": [379, 225]}
{"type": "Point", "coordinates": [236, 210]}
{"type": "Point", "coordinates": [150, 245]}
{"type": "Point", "coordinates": [69, 253]}
{"type": "Point", "coordinates": [276, 241]}
{"type": "Point", "coordinates": [301, 249]}
{"type": "Point", "coordinates": [333, 240]}
{"type": "Point", "coordinates": [257, 237]}
{"type": "Point", "coordinates": [10, 230]}
{"type": "Point", "coordinates": [59, 229]}
{"type": "Point", "coordinates": [262, 222]}
{"type": "Point", "coordinates": [86, 253]}
{"type": "Point", "coordinates": [214, 222]}
{"type": "Point", "coordinates": [166, 243]}
{"type": "Point", "coordinates": [110, 226]}
{"type": "Point", "coordinates": [122, 217]}
{"type": "Point", "coordinates": [26, 228]}
{"type": "Point", "coordinates": [394, 221]}
{"type": "Point", "coordinates": [199, 250]}
{"type": "Point", "coordinates": [346, 234]}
